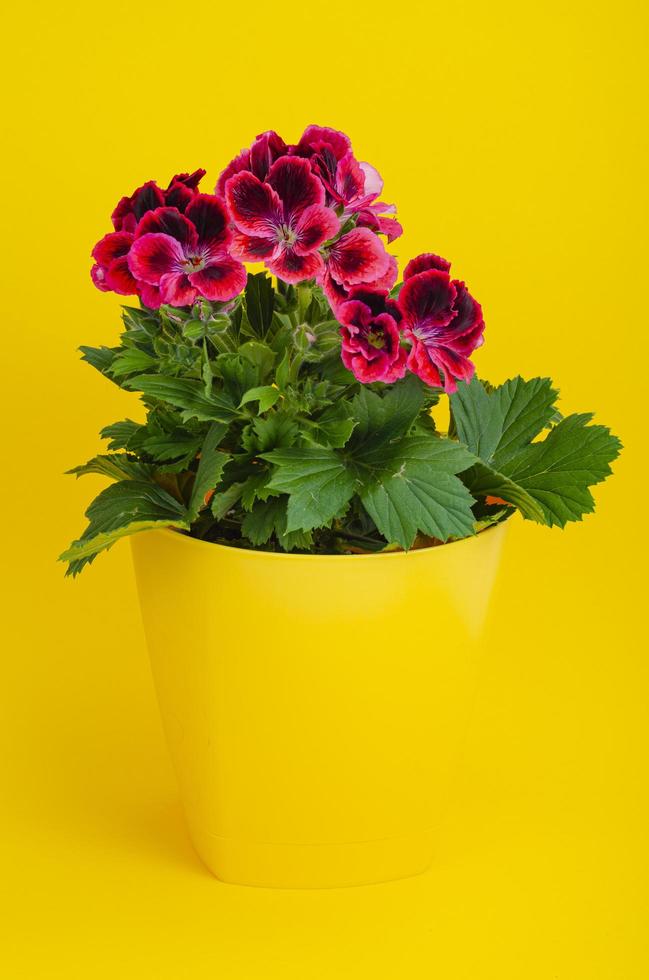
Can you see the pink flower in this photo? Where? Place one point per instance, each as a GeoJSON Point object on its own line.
{"type": "Point", "coordinates": [283, 220]}
{"type": "Point", "coordinates": [148, 197]}
{"type": "Point", "coordinates": [258, 160]}
{"type": "Point", "coordinates": [336, 293]}
{"type": "Point", "coordinates": [110, 271]}
{"type": "Point", "coordinates": [186, 256]}
{"type": "Point", "coordinates": [357, 258]}
{"type": "Point", "coordinates": [442, 320]}
{"type": "Point", "coordinates": [351, 186]}
{"type": "Point", "coordinates": [371, 342]}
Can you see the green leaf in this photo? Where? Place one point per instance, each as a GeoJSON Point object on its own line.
{"type": "Point", "coordinates": [166, 446]}
{"type": "Point", "coordinates": [318, 481]}
{"type": "Point", "coordinates": [274, 431]}
{"type": "Point", "coordinates": [382, 419]}
{"type": "Point", "coordinates": [130, 361]}
{"type": "Point", "coordinates": [266, 395]}
{"type": "Point", "coordinates": [124, 508]}
{"type": "Point", "coordinates": [548, 481]}
{"type": "Point", "coordinates": [119, 433]}
{"type": "Point", "coordinates": [186, 394]}
{"type": "Point", "coordinates": [260, 297]}
{"type": "Point", "coordinates": [100, 358]}
{"type": "Point", "coordinates": [270, 518]}
{"type": "Point", "coordinates": [118, 466]}
{"type": "Point", "coordinates": [210, 468]}
{"type": "Point", "coordinates": [412, 487]}
{"type": "Point", "coordinates": [224, 500]}
{"type": "Point", "coordinates": [558, 472]}
{"type": "Point", "coordinates": [335, 425]}
{"type": "Point", "coordinates": [496, 425]}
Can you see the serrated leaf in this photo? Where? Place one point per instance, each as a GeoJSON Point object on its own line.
{"type": "Point", "coordinates": [186, 394]}
{"type": "Point", "coordinates": [558, 472]}
{"type": "Point", "coordinates": [224, 500]}
{"type": "Point", "coordinates": [496, 425]}
{"type": "Point", "coordinates": [210, 468]}
{"type": "Point", "coordinates": [270, 518]}
{"type": "Point", "coordinates": [117, 466]}
{"type": "Point", "coordinates": [416, 499]}
{"type": "Point", "coordinates": [548, 481]}
{"type": "Point", "coordinates": [119, 433]}
{"type": "Point", "coordinates": [318, 481]}
{"type": "Point", "coordinates": [382, 419]}
{"type": "Point", "coordinates": [410, 486]}
{"type": "Point", "coordinates": [130, 361]}
{"type": "Point", "coordinates": [124, 508]}
{"type": "Point", "coordinates": [100, 358]}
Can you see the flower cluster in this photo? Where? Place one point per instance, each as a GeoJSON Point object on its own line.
{"type": "Point", "coordinates": [308, 211]}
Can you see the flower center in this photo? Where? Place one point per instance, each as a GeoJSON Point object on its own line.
{"type": "Point", "coordinates": [193, 263]}
{"type": "Point", "coordinates": [376, 338]}
{"type": "Point", "coordinates": [286, 235]}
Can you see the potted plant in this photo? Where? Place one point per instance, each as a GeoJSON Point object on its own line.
{"type": "Point", "coordinates": [318, 555]}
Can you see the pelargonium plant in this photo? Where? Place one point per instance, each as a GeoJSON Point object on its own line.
{"type": "Point", "coordinates": [290, 409]}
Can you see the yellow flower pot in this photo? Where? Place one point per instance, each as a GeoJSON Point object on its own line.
{"type": "Point", "coordinates": [314, 705]}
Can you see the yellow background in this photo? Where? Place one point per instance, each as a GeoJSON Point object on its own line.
{"type": "Point", "coordinates": [513, 138]}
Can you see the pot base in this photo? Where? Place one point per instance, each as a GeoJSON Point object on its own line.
{"type": "Point", "coordinates": [328, 865]}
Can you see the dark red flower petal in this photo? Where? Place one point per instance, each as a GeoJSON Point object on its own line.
{"type": "Point", "coordinates": [267, 148]}
{"type": "Point", "coordinates": [176, 289]}
{"type": "Point", "coordinates": [255, 207]}
{"type": "Point", "coordinates": [469, 311]}
{"type": "Point", "coordinates": [119, 277]}
{"type": "Point", "coordinates": [333, 290]}
{"type": "Point", "coordinates": [222, 279]}
{"type": "Point", "coordinates": [291, 267]}
{"type": "Point", "coordinates": [169, 221]}
{"type": "Point", "coordinates": [123, 217]}
{"type": "Point", "coordinates": [149, 295]}
{"type": "Point", "coordinates": [315, 137]}
{"type": "Point", "coordinates": [426, 300]}
{"type": "Point", "coordinates": [154, 256]}
{"type": "Point", "coordinates": [240, 162]}
{"type": "Point", "coordinates": [98, 276]}
{"type": "Point", "coordinates": [296, 185]}
{"type": "Point", "coordinates": [210, 218]}
{"type": "Point", "coordinates": [252, 249]}
{"type": "Point", "coordinates": [359, 256]}
{"type": "Point", "coordinates": [111, 246]}
{"type": "Point", "coordinates": [420, 364]}
{"type": "Point", "coordinates": [189, 180]}
{"type": "Point", "coordinates": [424, 262]}
{"type": "Point", "coordinates": [315, 226]}
{"type": "Point", "coordinates": [178, 196]}
{"type": "Point", "coordinates": [146, 198]}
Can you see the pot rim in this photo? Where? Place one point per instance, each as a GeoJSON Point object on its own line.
{"type": "Point", "coordinates": [254, 553]}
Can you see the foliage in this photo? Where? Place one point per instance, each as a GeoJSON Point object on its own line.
{"type": "Point", "coordinates": [257, 436]}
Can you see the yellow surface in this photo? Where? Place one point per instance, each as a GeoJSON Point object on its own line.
{"type": "Point", "coordinates": [317, 739]}
{"type": "Point", "coordinates": [513, 137]}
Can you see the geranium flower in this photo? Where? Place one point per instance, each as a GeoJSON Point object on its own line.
{"type": "Point", "coordinates": [282, 220]}
{"type": "Point", "coordinates": [357, 258]}
{"type": "Point", "coordinates": [186, 255]}
{"type": "Point", "coordinates": [148, 197]}
{"type": "Point", "coordinates": [257, 160]}
{"type": "Point", "coordinates": [371, 341]}
{"type": "Point", "coordinates": [442, 320]}
{"type": "Point", "coordinates": [110, 271]}
{"type": "Point", "coordinates": [336, 293]}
